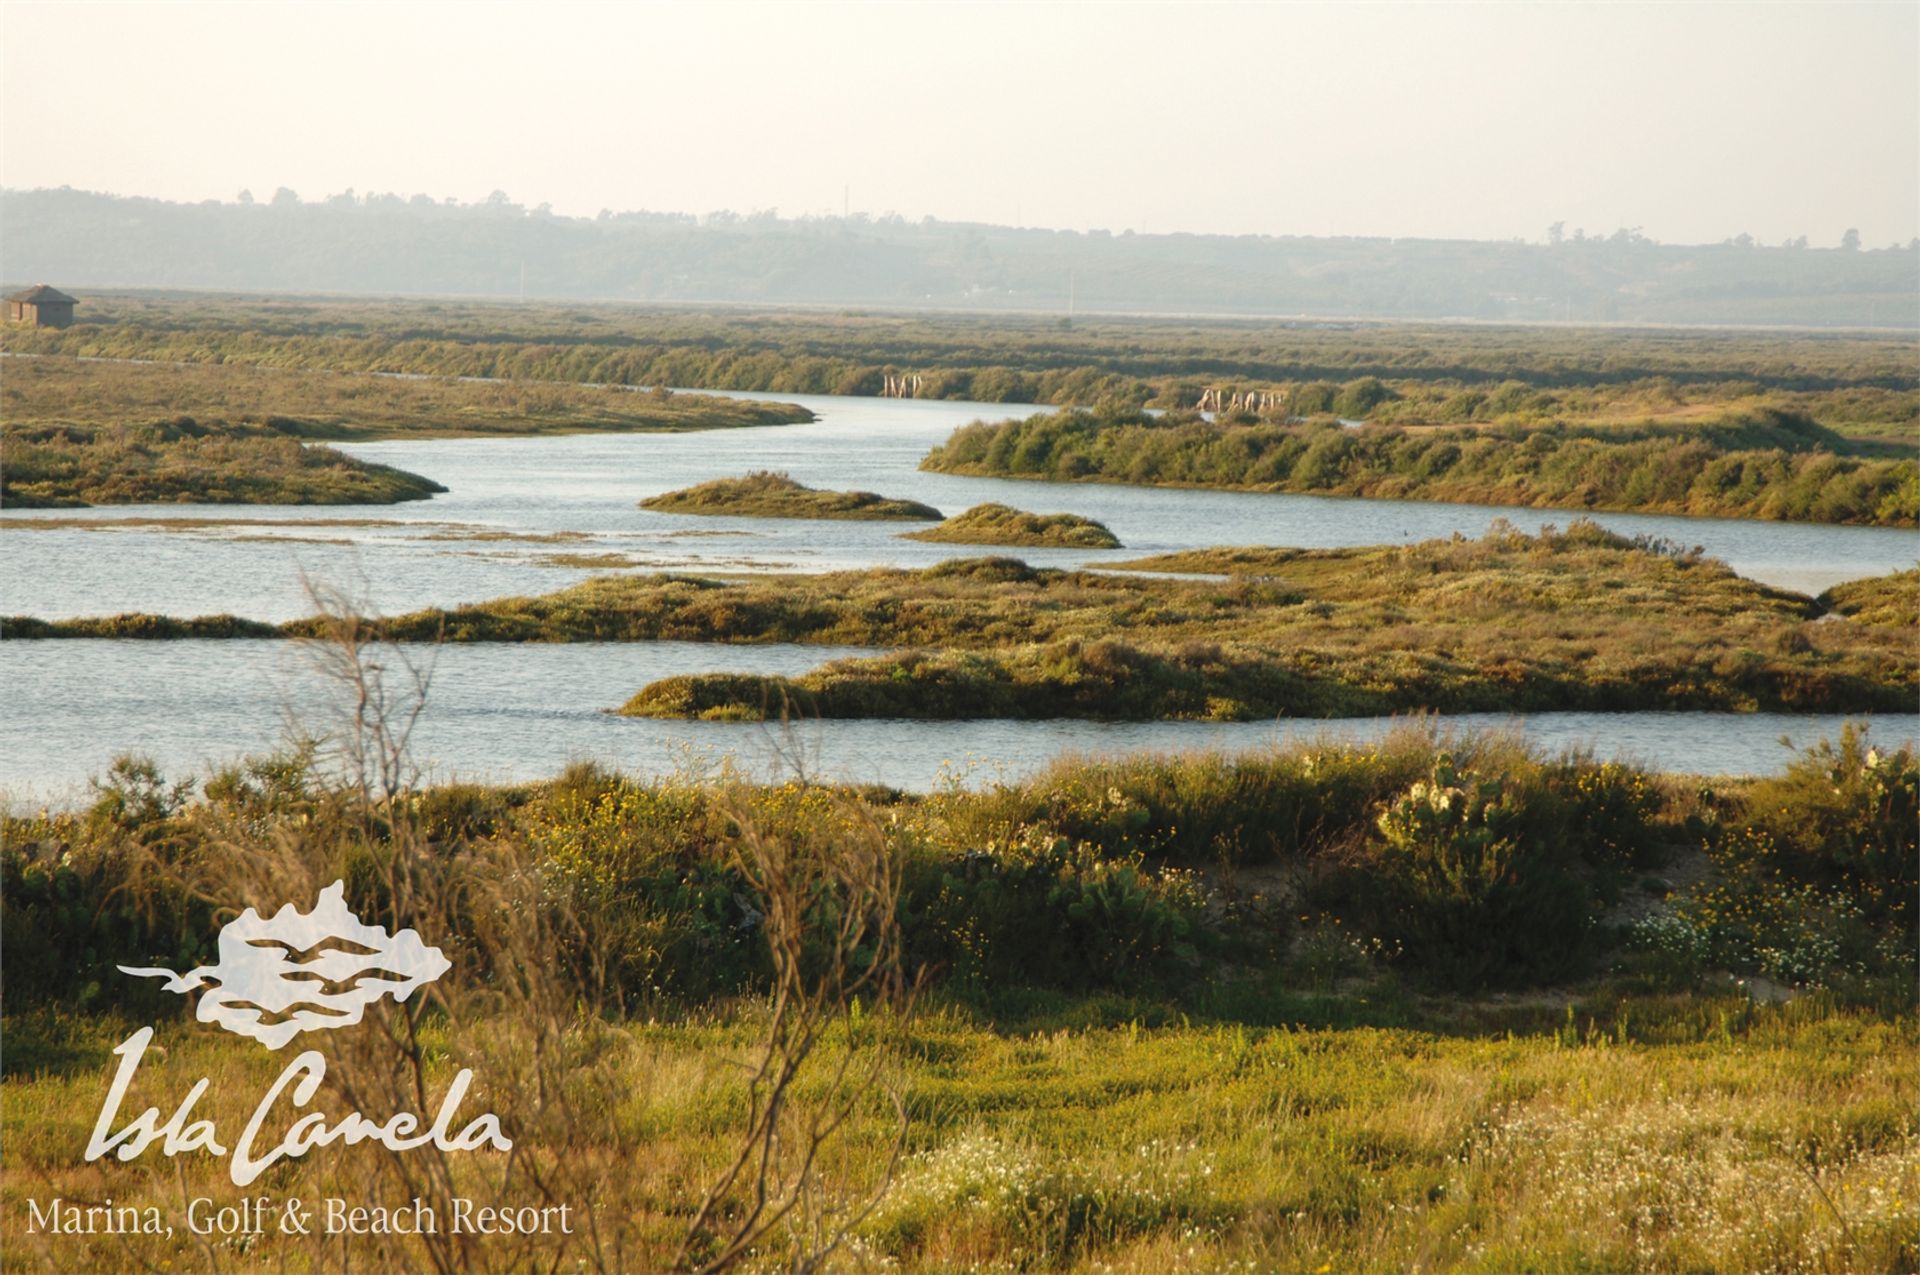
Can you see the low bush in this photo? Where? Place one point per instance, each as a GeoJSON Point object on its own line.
{"type": "Point", "coordinates": [1464, 861]}
{"type": "Point", "coordinates": [1817, 874]}
{"type": "Point", "coordinates": [1038, 907]}
{"type": "Point", "coordinates": [1473, 894]}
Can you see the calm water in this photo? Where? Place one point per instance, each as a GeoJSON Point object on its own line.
{"type": "Point", "coordinates": [522, 515]}
{"type": "Point", "coordinates": [498, 712]}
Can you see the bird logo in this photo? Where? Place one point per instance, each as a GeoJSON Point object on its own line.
{"type": "Point", "coordinates": [301, 971]}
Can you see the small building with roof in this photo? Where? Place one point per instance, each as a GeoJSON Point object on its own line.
{"type": "Point", "coordinates": [42, 306]}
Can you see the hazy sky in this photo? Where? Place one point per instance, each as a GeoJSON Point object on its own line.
{"type": "Point", "coordinates": [1692, 121]}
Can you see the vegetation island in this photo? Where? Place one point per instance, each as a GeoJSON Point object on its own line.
{"type": "Point", "coordinates": [182, 460]}
{"type": "Point", "coordinates": [763, 494]}
{"type": "Point", "coordinates": [1510, 622]}
{"type": "Point", "coordinates": [1759, 464]}
{"type": "Point", "coordinates": [993, 524]}
{"type": "Point", "coordinates": [1579, 619]}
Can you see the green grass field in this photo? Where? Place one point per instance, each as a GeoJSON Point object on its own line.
{"type": "Point", "coordinates": [1773, 1139]}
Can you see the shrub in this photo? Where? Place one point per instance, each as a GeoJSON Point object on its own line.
{"type": "Point", "coordinates": [1612, 811]}
{"type": "Point", "coordinates": [135, 797]}
{"type": "Point", "coordinates": [1846, 816]}
{"type": "Point", "coordinates": [1036, 908]}
{"type": "Point", "coordinates": [1815, 880]}
{"type": "Point", "coordinates": [1473, 898]}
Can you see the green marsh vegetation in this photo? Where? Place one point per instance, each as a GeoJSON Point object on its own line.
{"type": "Point", "coordinates": [1758, 464]}
{"type": "Point", "coordinates": [1435, 1000]}
{"type": "Point", "coordinates": [993, 524]}
{"type": "Point", "coordinates": [1573, 619]}
{"type": "Point", "coordinates": [763, 494]}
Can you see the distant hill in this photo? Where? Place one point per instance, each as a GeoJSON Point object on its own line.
{"type": "Point", "coordinates": [384, 244]}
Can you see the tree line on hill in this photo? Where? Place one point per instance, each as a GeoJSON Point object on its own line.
{"type": "Point", "coordinates": [386, 244]}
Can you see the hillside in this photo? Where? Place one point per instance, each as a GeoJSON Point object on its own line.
{"type": "Point", "coordinates": [386, 244]}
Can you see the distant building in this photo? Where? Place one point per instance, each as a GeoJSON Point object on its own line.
{"type": "Point", "coordinates": [41, 306]}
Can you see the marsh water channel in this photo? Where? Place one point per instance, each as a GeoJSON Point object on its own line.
{"type": "Point", "coordinates": [535, 514]}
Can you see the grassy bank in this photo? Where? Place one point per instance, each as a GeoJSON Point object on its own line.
{"type": "Point", "coordinates": [763, 494]}
{"type": "Point", "coordinates": [1186, 1013]}
{"type": "Point", "coordinates": [992, 524]}
{"type": "Point", "coordinates": [335, 406]}
{"type": "Point", "coordinates": [64, 466]}
{"type": "Point", "coordinates": [1769, 465]}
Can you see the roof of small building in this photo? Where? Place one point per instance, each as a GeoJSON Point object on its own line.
{"type": "Point", "coordinates": [41, 294]}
